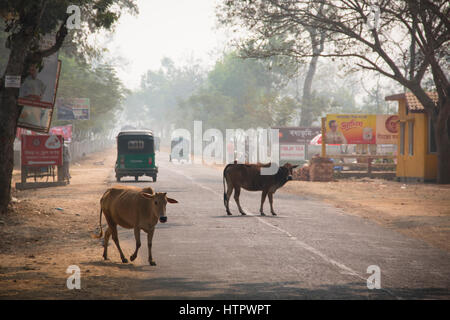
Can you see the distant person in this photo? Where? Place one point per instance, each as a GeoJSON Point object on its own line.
{"type": "Point", "coordinates": [66, 162]}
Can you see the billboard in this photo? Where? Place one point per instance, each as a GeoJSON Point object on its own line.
{"type": "Point", "coordinates": [38, 91]}
{"type": "Point", "coordinates": [292, 141]}
{"type": "Point", "coordinates": [293, 152]}
{"type": "Point", "coordinates": [41, 150]}
{"type": "Point", "coordinates": [387, 129]}
{"type": "Point", "coordinates": [65, 131]}
{"type": "Point", "coordinates": [361, 129]}
{"type": "Point", "coordinates": [296, 135]}
{"type": "Point", "coordinates": [72, 108]}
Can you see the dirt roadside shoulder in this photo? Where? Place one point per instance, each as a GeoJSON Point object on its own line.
{"type": "Point", "coordinates": [50, 229]}
{"type": "Point", "coordinates": [420, 211]}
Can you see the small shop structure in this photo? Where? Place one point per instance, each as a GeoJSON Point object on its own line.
{"type": "Point", "coordinates": [416, 155]}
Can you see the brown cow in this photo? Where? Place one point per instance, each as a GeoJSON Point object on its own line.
{"type": "Point", "coordinates": [248, 176]}
{"type": "Point", "coordinates": [132, 208]}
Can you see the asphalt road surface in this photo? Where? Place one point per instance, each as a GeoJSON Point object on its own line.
{"type": "Point", "coordinates": [311, 250]}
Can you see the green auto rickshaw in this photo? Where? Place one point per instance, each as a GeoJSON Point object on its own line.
{"type": "Point", "coordinates": [136, 154]}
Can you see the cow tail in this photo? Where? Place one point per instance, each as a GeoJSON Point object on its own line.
{"type": "Point", "coordinates": [98, 236]}
{"type": "Point", "coordinates": [225, 191]}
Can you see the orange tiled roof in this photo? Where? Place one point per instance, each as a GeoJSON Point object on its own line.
{"type": "Point", "coordinates": [412, 103]}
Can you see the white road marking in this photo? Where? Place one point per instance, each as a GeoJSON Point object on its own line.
{"type": "Point", "coordinates": [344, 269]}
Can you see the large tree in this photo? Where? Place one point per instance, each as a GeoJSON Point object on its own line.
{"type": "Point", "coordinates": [26, 23]}
{"type": "Point", "coordinates": [372, 35]}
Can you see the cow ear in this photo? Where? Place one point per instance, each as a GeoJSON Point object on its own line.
{"type": "Point", "coordinates": [293, 167]}
{"type": "Point", "coordinates": [146, 195]}
{"type": "Point", "coordinates": [170, 200]}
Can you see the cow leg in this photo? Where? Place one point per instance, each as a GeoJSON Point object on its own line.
{"type": "Point", "coordinates": [271, 203]}
{"type": "Point", "coordinates": [137, 236]}
{"type": "Point", "coordinates": [116, 241]}
{"type": "Point", "coordinates": [149, 242]}
{"type": "Point", "coordinates": [263, 198]}
{"type": "Point", "coordinates": [237, 192]}
{"type": "Point", "coordinates": [105, 243]}
{"type": "Point", "coordinates": [227, 202]}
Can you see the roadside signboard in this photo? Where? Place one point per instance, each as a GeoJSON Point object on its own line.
{"type": "Point", "coordinates": [387, 129]}
{"type": "Point", "coordinates": [293, 141]}
{"type": "Point", "coordinates": [12, 81]}
{"type": "Point", "coordinates": [296, 135]}
{"type": "Point", "coordinates": [361, 129]}
{"type": "Point", "coordinates": [293, 152]}
{"type": "Point", "coordinates": [65, 131]}
{"type": "Point", "coordinates": [38, 91]}
{"type": "Point", "coordinates": [72, 108]}
{"type": "Point", "coordinates": [42, 150]}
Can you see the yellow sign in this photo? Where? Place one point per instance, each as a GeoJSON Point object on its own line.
{"type": "Point", "coordinates": [361, 129]}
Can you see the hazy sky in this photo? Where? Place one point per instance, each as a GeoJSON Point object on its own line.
{"type": "Point", "coordinates": [178, 29]}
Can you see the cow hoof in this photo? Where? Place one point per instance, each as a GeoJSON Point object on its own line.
{"type": "Point", "coordinates": [274, 214]}
{"type": "Point", "coordinates": [124, 260]}
{"type": "Point", "coordinates": [152, 263]}
{"type": "Point", "coordinates": [133, 257]}
{"type": "Point", "coordinates": [243, 213]}
{"type": "Point", "coordinates": [262, 213]}
{"type": "Point", "coordinates": [229, 213]}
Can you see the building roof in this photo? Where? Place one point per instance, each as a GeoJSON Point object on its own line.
{"type": "Point", "coordinates": [412, 103]}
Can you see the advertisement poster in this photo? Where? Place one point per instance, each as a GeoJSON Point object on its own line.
{"type": "Point", "coordinates": [351, 129]}
{"type": "Point", "coordinates": [387, 129]}
{"type": "Point", "coordinates": [41, 150]}
{"type": "Point", "coordinates": [292, 152]}
{"type": "Point", "coordinates": [297, 135]}
{"type": "Point", "coordinates": [34, 95]}
{"type": "Point", "coordinates": [72, 108]}
{"type": "Point", "coordinates": [38, 90]}
{"type": "Point", "coordinates": [65, 131]}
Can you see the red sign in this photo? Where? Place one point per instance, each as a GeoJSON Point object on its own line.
{"type": "Point", "coordinates": [42, 150]}
{"type": "Point", "coordinates": [65, 131]}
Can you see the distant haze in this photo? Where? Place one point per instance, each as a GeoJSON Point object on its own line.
{"type": "Point", "coordinates": [178, 29]}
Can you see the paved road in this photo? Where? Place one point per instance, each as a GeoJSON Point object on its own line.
{"type": "Point", "coordinates": [311, 250]}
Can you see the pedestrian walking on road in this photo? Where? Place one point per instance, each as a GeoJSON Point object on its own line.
{"type": "Point", "coordinates": [66, 162]}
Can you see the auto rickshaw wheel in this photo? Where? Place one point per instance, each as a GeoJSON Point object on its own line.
{"type": "Point", "coordinates": [118, 178]}
{"type": "Point", "coordinates": [154, 178]}
{"type": "Point", "coordinates": [136, 178]}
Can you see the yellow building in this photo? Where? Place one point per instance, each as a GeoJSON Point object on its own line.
{"type": "Point", "coordinates": [416, 148]}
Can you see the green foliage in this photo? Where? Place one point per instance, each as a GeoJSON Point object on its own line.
{"type": "Point", "coordinates": [101, 85]}
{"type": "Point", "coordinates": [238, 93]}
{"type": "Point", "coordinates": [44, 17]}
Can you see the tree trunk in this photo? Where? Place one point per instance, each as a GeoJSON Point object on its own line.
{"type": "Point", "coordinates": [442, 134]}
{"type": "Point", "coordinates": [317, 44]}
{"type": "Point", "coordinates": [9, 114]}
{"type": "Point", "coordinates": [306, 116]}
